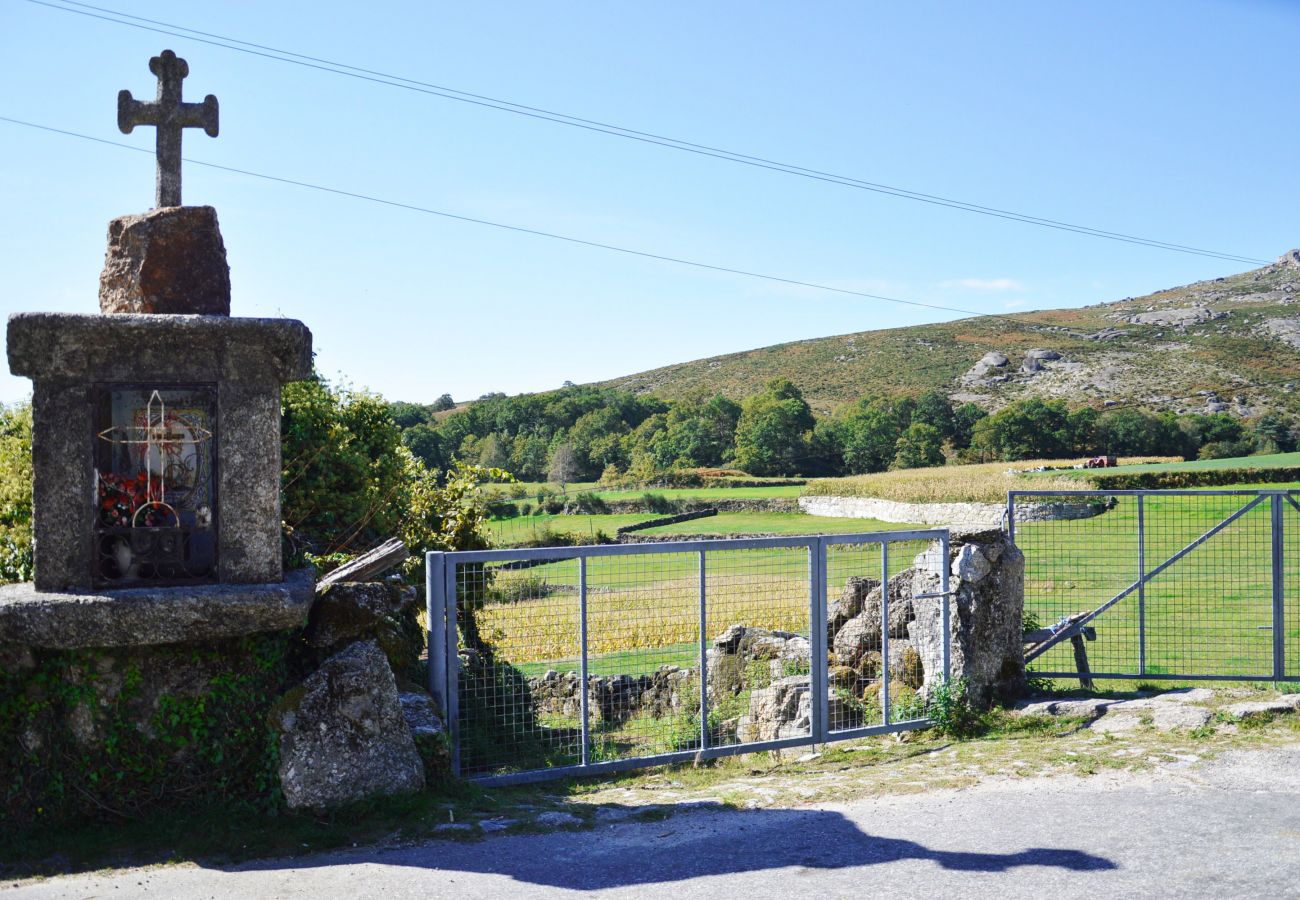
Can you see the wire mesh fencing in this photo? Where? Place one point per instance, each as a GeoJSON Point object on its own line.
{"type": "Point", "coordinates": [594, 658]}
{"type": "Point", "coordinates": [1173, 585]}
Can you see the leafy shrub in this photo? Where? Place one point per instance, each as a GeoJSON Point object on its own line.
{"type": "Point", "coordinates": [16, 492]}
{"type": "Point", "coordinates": [950, 710]}
{"type": "Point", "coordinates": [658, 503]}
{"type": "Point", "coordinates": [589, 503]}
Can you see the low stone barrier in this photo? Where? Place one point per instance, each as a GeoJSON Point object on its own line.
{"type": "Point", "coordinates": [957, 515]}
{"type": "Point", "coordinates": [667, 520]}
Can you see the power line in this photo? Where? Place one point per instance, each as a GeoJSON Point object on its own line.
{"type": "Point", "coordinates": [378, 77]}
{"type": "Point", "coordinates": [531, 231]}
{"type": "Point", "coordinates": [1017, 323]}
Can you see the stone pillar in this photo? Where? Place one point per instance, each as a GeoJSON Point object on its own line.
{"type": "Point", "coordinates": [986, 576]}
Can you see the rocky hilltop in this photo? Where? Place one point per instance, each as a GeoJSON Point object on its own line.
{"type": "Point", "coordinates": [1230, 344]}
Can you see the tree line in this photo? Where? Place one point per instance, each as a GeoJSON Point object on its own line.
{"type": "Point", "coordinates": [583, 433]}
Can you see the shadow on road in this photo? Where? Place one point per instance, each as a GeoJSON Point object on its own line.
{"type": "Point", "coordinates": [689, 846]}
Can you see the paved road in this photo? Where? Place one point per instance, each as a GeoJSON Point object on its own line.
{"type": "Point", "coordinates": [1227, 829]}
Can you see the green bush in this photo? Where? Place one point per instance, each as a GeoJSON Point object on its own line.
{"type": "Point", "coordinates": [16, 492]}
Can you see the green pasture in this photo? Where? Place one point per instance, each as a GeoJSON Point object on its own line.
{"type": "Point", "coordinates": [775, 523]}
{"type": "Point", "coordinates": [1208, 613]}
{"type": "Point", "coordinates": [507, 532]}
{"type": "Point", "coordinates": [515, 531]}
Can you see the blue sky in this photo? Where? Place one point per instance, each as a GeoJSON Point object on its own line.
{"type": "Point", "coordinates": [1170, 120]}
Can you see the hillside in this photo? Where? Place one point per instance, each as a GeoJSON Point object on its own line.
{"type": "Point", "coordinates": [1229, 344]}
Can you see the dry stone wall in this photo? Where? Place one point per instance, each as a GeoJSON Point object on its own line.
{"type": "Point", "coordinates": [954, 515]}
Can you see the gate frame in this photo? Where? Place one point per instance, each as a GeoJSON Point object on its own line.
{"type": "Point", "coordinates": [444, 667]}
{"type": "Point", "coordinates": [1275, 496]}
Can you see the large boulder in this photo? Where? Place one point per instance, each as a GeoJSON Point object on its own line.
{"type": "Point", "coordinates": [168, 260]}
{"type": "Point", "coordinates": [343, 734]}
{"type": "Point", "coordinates": [986, 608]}
{"type": "Point", "coordinates": [862, 633]}
{"type": "Point", "coordinates": [849, 603]}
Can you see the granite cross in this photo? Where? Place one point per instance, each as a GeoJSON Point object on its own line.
{"type": "Point", "coordinates": [169, 115]}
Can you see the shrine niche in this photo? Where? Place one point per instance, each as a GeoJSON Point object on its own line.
{"type": "Point", "coordinates": [154, 485]}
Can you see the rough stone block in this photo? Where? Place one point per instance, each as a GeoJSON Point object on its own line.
{"type": "Point", "coordinates": [985, 614]}
{"type": "Point", "coordinates": [347, 610]}
{"type": "Point", "coordinates": [168, 260]}
{"type": "Point", "coordinates": [343, 735]}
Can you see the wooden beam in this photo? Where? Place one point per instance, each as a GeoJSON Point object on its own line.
{"type": "Point", "coordinates": [368, 565]}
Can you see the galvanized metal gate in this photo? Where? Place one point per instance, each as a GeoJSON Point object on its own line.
{"type": "Point", "coordinates": [1178, 585]}
{"type": "Point", "coordinates": [577, 660]}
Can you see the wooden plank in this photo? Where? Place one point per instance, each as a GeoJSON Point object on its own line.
{"type": "Point", "coordinates": [368, 565]}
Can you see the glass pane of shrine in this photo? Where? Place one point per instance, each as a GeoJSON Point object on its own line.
{"type": "Point", "coordinates": [155, 484]}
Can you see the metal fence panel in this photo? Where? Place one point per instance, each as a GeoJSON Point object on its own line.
{"type": "Point", "coordinates": [1177, 584]}
{"type": "Point", "coordinates": [590, 659]}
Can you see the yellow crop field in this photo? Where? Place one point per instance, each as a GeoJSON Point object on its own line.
{"type": "Point", "coordinates": [642, 616]}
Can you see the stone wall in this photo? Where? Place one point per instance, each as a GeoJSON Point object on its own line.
{"type": "Point", "coordinates": [613, 699]}
{"type": "Point", "coordinates": [954, 515]}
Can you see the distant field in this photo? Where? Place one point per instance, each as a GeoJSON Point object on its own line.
{"type": "Point", "coordinates": [983, 483]}
{"type": "Point", "coordinates": [707, 493]}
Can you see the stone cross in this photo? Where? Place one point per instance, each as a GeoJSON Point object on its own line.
{"type": "Point", "coordinates": [169, 115]}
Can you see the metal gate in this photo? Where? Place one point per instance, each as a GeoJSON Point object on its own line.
{"type": "Point", "coordinates": [1167, 585]}
{"type": "Point", "coordinates": [578, 660]}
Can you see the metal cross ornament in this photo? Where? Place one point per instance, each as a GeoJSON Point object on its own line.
{"type": "Point", "coordinates": [169, 115]}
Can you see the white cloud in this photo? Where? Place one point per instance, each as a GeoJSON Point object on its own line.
{"type": "Point", "coordinates": [1012, 304]}
{"type": "Point", "coordinates": [988, 285]}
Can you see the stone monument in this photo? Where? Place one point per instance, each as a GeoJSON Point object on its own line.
{"type": "Point", "coordinates": [156, 427]}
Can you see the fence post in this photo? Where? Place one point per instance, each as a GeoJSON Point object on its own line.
{"type": "Point", "coordinates": [582, 638]}
{"type": "Point", "coordinates": [704, 660]}
{"type": "Point", "coordinates": [945, 613]}
{"type": "Point", "coordinates": [435, 600]}
{"type": "Point", "coordinates": [452, 667]}
{"type": "Point", "coordinates": [1279, 589]}
{"type": "Point", "coordinates": [1011, 516]}
{"type": "Point", "coordinates": [1142, 587]}
{"type": "Point", "coordinates": [818, 677]}
{"type": "Point", "coordinates": [884, 630]}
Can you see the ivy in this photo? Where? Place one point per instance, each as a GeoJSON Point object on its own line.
{"type": "Point", "coordinates": [212, 746]}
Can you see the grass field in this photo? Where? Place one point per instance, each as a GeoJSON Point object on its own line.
{"type": "Point", "coordinates": [506, 532]}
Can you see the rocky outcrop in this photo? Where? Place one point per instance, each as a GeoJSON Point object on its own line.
{"type": "Point", "coordinates": [986, 577]}
{"type": "Point", "coordinates": [863, 632]}
{"type": "Point", "coordinates": [1177, 317]}
{"type": "Point", "coordinates": [343, 734]}
{"type": "Point", "coordinates": [168, 260]}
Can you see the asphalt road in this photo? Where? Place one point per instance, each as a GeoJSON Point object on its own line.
{"type": "Point", "coordinates": [1230, 828]}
